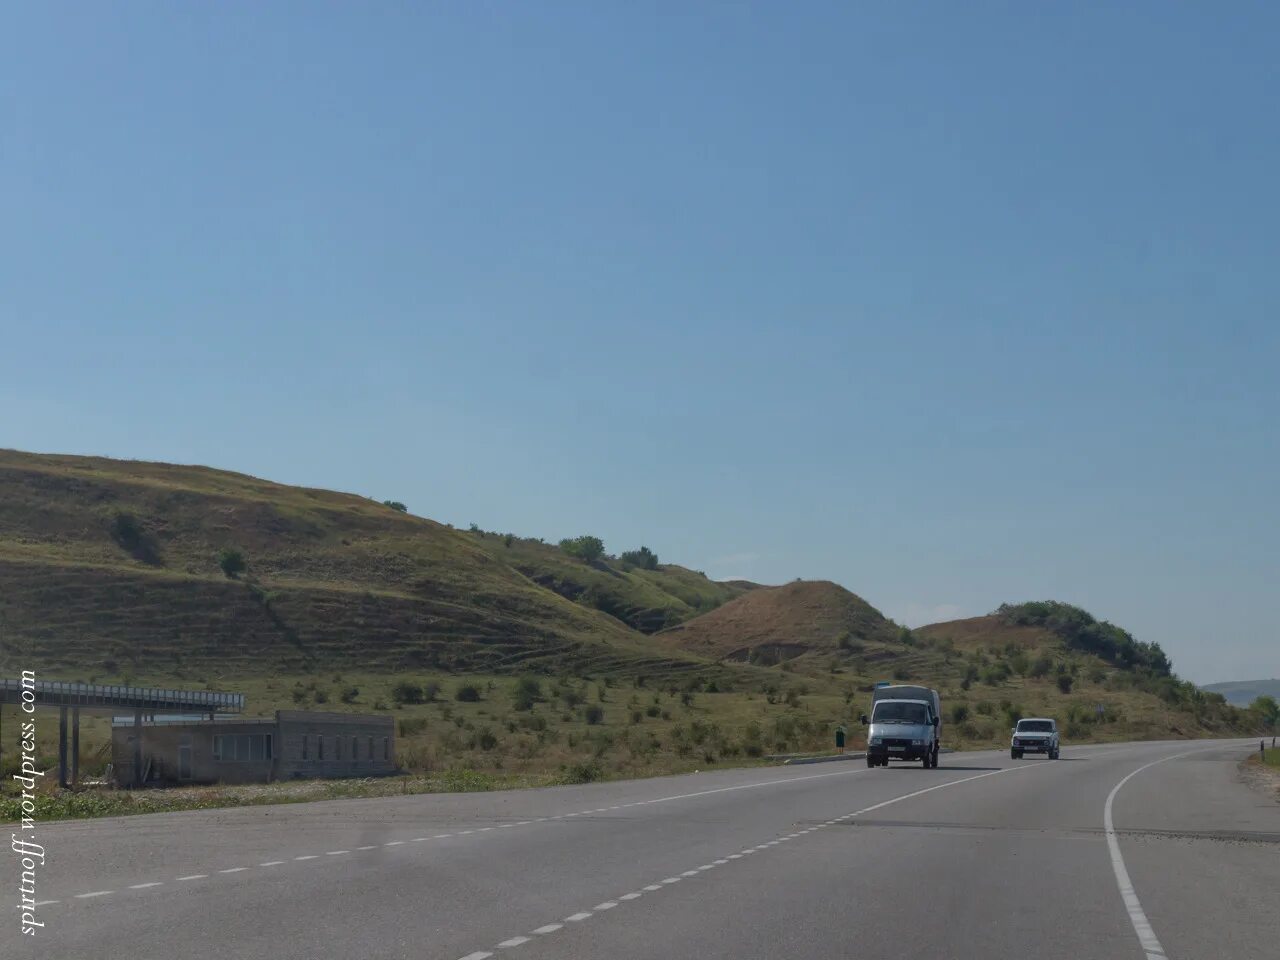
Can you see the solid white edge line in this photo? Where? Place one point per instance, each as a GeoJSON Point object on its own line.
{"type": "Point", "coordinates": [1137, 916]}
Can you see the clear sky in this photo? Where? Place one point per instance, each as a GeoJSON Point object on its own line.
{"type": "Point", "coordinates": [953, 304]}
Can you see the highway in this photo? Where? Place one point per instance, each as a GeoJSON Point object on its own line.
{"type": "Point", "coordinates": [985, 857]}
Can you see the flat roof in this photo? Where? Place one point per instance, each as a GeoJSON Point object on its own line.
{"type": "Point", "coordinates": [59, 693]}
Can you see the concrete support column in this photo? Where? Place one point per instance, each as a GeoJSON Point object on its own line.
{"type": "Point", "coordinates": [137, 747]}
{"type": "Point", "coordinates": [75, 745]}
{"type": "Point", "coordinates": [62, 746]}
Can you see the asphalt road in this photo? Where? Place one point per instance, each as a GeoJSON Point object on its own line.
{"type": "Point", "coordinates": [985, 857]}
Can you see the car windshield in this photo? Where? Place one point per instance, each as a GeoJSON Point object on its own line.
{"type": "Point", "coordinates": [890, 711]}
{"type": "Point", "coordinates": [1035, 726]}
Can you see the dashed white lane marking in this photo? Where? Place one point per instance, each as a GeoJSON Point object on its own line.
{"type": "Point", "coordinates": [143, 886]}
{"type": "Point", "coordinates": [195, 876]}
{"type": "Point", "coordinates": [233, 870]}
{"type": "Point", "coordinates": [461, 833]}
{"type": "Point", "coordinates": [309, 856]}
{"type": "Point", "coordinates": [95, 893]}
{"type": "Point", "coordinates": [271, 863]}
{"type": "Point", "coordinates": [611, 904]}
{"type": "Point", "coordinates": [478, 955]}
{"type": "Point", "coordinates": [549, 928]}
{"type": "Point", "coordinates": [419, 839]}
{"type": "Point", "coordinates": [45, 903]}
{"type": "Point", "coordinates": [335, 853]}
{"type": "Point", "coordinates": [372, 846]}
{"type": "Point", "coordinates": [441, 836]}
{"type": "Point", "coordinates": [481, 830]}
{"type": "Point", "coordinates": [1137, 916]}
{"type": "Point", "coordinates": [389, 843]}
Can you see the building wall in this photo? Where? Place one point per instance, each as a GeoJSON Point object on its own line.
{"type": "Point", "coordinates": [313, 744]}
{"type": "Point", "coordinates": [302, 744]}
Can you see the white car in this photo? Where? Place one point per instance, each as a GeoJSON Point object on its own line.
{"type": "Point", "coordinates": [1035, 735]}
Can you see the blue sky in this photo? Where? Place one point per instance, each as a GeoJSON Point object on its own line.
{"type": "Point", "coordinates": [952, 306]}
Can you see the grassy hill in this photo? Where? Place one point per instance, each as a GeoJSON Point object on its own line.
{"type": "Point", "coordinates": [111, 567]}
{"type": "Point", "coordinates": [803, 620]}
{"type": "Point", "coordinates": [646, 600]}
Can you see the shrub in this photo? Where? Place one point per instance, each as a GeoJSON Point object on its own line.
{"type": "Point", "coordinates": [528, 692]}
{"type": "Point", "coordinates": [582, 773]}
{"type": "Point", "coordinates": [232, 563]}
{"type": "Point", "coordinates": [467, 693]}
{"type": "Point", "coordinates": [508, 539]}
{"type": "Point", "coordinates": [959, 712]}
{"type": "Point", "coordinates": [349, 694]}
{"type": "Point", "coordinates": [1064, 682]}
{"type": "Point", "coordinates": [686, 698]}
{"type": "Point", "coordinates": [644, 558]}
{"type": "Point", "coordinates": [586, 548]}
{"type": "Point", "coordinates": [593, 714]}
{"type": "Point", "coordinates": [1040, 667]}
{"type": "Point", "coordinates": [407, 692]}
{"type": "Point", "coordinates": [900, 672]}
{"type": "Point", "coordinates": [637, 717]}
{"type": "Point", "coordinates": [129, 534]}
{"type": "Point", "coordinates": [652, 710]}
{"type": "Point", "coordinates": [793, 698]}
{"type": "Point", "coordinates": [1020, 663]}
{"type": "Point", "coordinates": [484, 739]}
{"type": "Point", "coordinates": [395, 505]}
{"type": "Point", "coordinates": [321, 695]}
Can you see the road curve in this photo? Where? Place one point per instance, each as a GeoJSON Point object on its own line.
{"type": "Point", "coordinates": [1121, 851]}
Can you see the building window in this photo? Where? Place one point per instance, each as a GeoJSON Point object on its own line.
{"type": "Point", "coordinates": [319, 747]}
{"type": "Point", "coordinates": [386, 748]}
{"type": "Point", "coordinates": [242, 747]}
{"type": "Point", "coordinates": [305, 738]}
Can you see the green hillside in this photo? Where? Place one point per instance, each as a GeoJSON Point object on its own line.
{"type": "Point", "coordinates": [113, 566]}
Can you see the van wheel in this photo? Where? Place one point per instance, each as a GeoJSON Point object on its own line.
{"type": "Point", "coordinates": [1054, 755]}
{"type": "Point", "coordinates": [870, 762]}
{"type": "Point", "coordinates": [1015, 754]}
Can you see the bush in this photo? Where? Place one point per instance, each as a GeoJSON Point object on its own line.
{"type": "Point", "coordinates": [232, 563]}
{"type": "Point", "coordinates": [484, 739]}
{"type": "Point", "coordinates": [1040, 667]}
{"type": "Point", "coordinates": [528, 692]}
{"type": "Point", "coordinates": [349, 695]}
{"type": "Point", "coordinates": [1064, 682]}
{"type": "Point", "coordinates": [644, 558]}
{"type": "Point", "coordinates": [959, 713]}
{"type": "Point", "coordinates": [129, 534]}
{"type": "Point", "coordinates": [593, 714]}
{"type": "Point", "coordinates": [637, 717]}
{"type": "Point", "coordinates": [321, 696]}
{"type": "Point", "coordinates": [467, 693]}
{"type": "Point", "coordinates": [582, 773]}
{"type": "Point", "coordinates": [793, 698]}
{"type": "Point", "coordinates": [686, 698]}
{"type": "Point", "coordinates": [395, 505]}
{"type": "Point", "coordinates": [586, 548]}
{"type": "Point", "coordinates": [406, 692]}
{"type": "Point", "coordinates": [408, 726]}
{"type": "Point", "coordinates": [652, 710]}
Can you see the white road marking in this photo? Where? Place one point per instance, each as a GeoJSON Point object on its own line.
{"type": "Point", "coordinates": [1137, 916]}
{"type": "Point", "coordinates": [478, 955]}
{"type": "Point", "coordinates": [631, 896]}
{"type": "Point", "coordinates": [143, 886]}
{"type": "Point", "coordinates": [522, 823]}
{"type": "Point", "coordinates": [549, 928]}
{"type": "Point", "coordinates": [441, 836]}
{"type": "Point", "coordinates": [720, 863]}
{"type": "Point", "coordinates": [463, 833]}
{"type": "Point", "coordinates": [96, 893]}
{"type": "Point", "coordinates": [671, 880]}
{"type": "Point", "coordinates": [233, 870]}
{"type": "Point", "coordinates": [334, 853]}
{"type": "Point", "coordinates": [45, 903]}
{"type": "Point", "coordinates": [481, 830]}
{"type": "Point", "coordinates": [577, 917]}
{"type": "Point", "coordinates": [513, 942]}
{"type": "Point", "coordinates": [707, 866]}
{"type": "Point", "coordinates": [607, 905]}
{"type": "Point", "coordinates": [195, 876]}
{"type": "Point", "coordinates": [653, 886]}
{"type": "Point", "coordinates": [735, 856]}
{"type": "Point", "coordinates": [689, 873]}
{"type": "Point", "coordinates": [419, 839]}
{"type": "Point", "coordinates": [372, 846]}
{"type": "Point", "coordinates": [389, 843]}
{"type": "Point", "coordinates": [312, 856]}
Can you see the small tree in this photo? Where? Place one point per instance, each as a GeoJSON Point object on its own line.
{"type": "Point", "coordinates": [407, 692]}
{"type": "Point", "coordinates": [232, 563]}
{"type": "Point", "coordinates": [1064, 682]}
{"type": "Point", "coordinates": [586, 548]}
{"type": "Point", "coordinates": [508, 539]}
{"type": "Point", "coordinates": [349, 694]}
{"type": "Point", "coordinates": [467, 693]}
{"type": "Point", "coordinates": [395, 505]}
{"type": "Point", "coordinates": [593, 714]}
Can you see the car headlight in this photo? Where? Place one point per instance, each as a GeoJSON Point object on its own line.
{"type": "Point", "coordinates": [874, 742]}
{"type": "Point", "coordinates": [917, 743]}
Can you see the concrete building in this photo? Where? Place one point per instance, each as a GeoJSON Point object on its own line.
{"type": "Point", "coordinates": [294, 744]}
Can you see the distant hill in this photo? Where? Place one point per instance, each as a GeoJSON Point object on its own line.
{"type": "Point", "coordinates": [770, 625]}
{"type": "Point", "coordinates": [110, 566]}
{"type": "Point", "coordinates": [1244, 692]}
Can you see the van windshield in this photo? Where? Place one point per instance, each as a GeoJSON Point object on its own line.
{"type": "Point", "coordinates": [898, 711]}
{"type": "Point", "coordinates": [1035, 726]}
